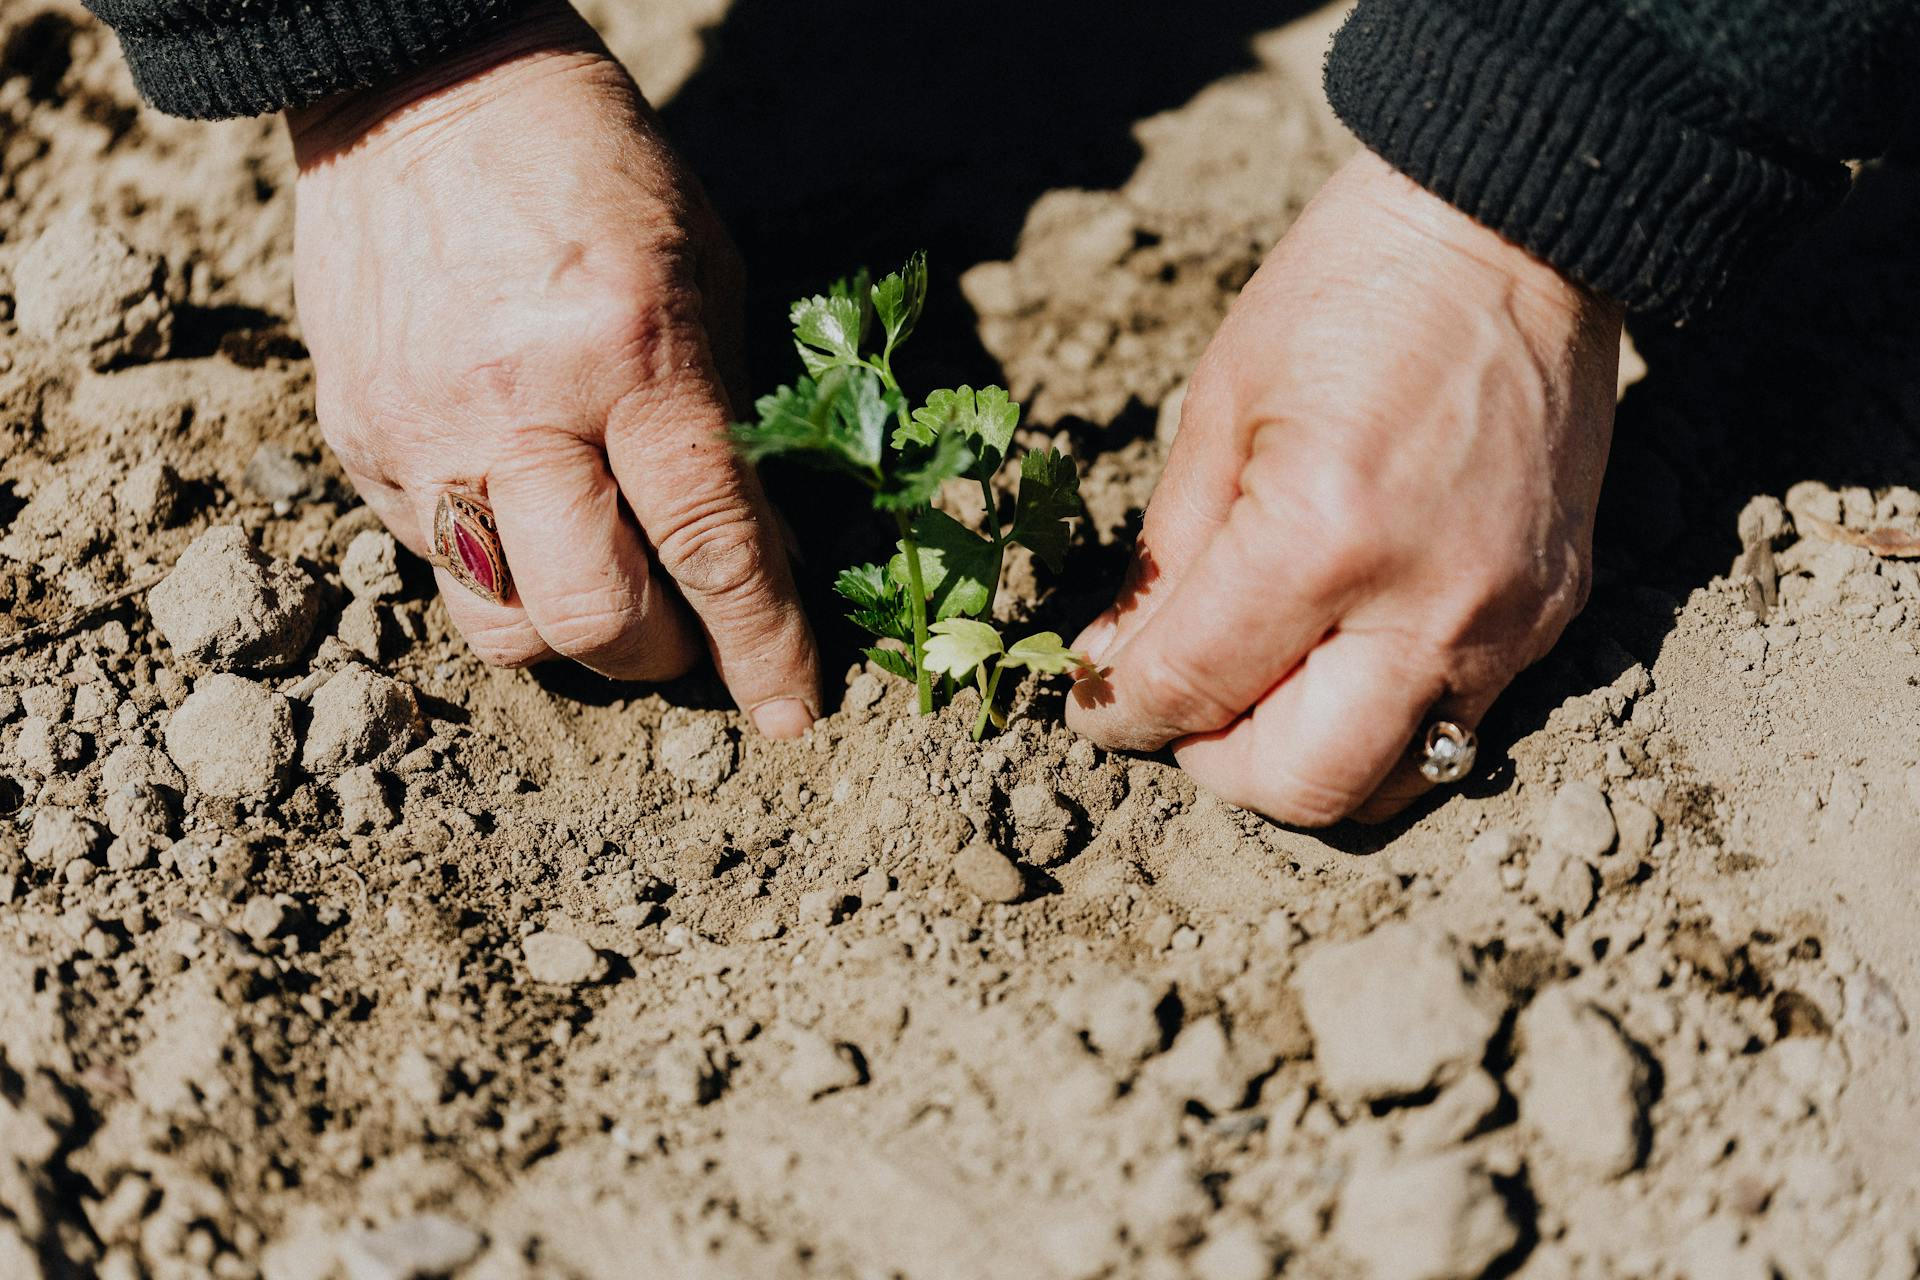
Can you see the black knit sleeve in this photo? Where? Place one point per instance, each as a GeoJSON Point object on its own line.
{"type": "Point", "coordinates": [1655, 150]}
{"type": "Point", "coordinates": [210, 59]}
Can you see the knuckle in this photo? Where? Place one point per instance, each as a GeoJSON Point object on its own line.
{"type": "Point", "coordinates": [639, 312]}
{"type": "Point", "coordinates": [591, 630]}
{"type": "Point", "coordinates": [1327, 553]}
{"type": "Point", "coordinates": [1301, 800]}
{"type": "Point", "coordinates": [716, 554]}
{"type": "Point", "coordinates": [1180, 698]}
{"type": "Point", "coordinates": [509, 645]}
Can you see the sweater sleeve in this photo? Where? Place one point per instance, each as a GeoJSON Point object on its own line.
{"type": "Point", "coordinates": [211, 59]}
{"type": "Point", "coordinates": [1659, 151]}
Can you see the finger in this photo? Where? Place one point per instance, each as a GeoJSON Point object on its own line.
{"type": "Point", "coordinates": [395, 509]}
{"type": "Point", "coordinates": [1316, 747]}
{"type": "Point", "coordinates": [579, 565]}
{"type": "Point", "coordinates": [500, 635]}
{"type": "Point", "coordinates": [1405, 783]}
{"type": "Point", "coordinates": [717, 538]}
{"type": "Point", "coordinates": [1189, 504]}
{"type": "Point", "coordinates": [1237, 621]}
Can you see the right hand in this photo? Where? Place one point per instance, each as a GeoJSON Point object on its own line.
{"type": "Point", "coordinates": [508, 283]}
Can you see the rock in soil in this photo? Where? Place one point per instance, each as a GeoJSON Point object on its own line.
{"type": "Point", "coordinates": [1123, 1018]}
{"type": "Point", "coordinates": [151, 495]}
{"type": "Point", "coordinates": [1582, 1085]}
{"type": "Point", "coordinates": [228, 606]}
{"type": "Point", "coordinates": [1041, 823]}
{"type": "Point", "coordinates": [232, 737]}
{"type": "Point", "coordinates": [1578, 824]}
{"type": "Point", "coordinates": [45, 748]}
{"type": "Point", "coordinates": [560, 960]}
{"type": "Point", "coordinates": [82, 288]}
{"type": "Point", "coordinates": [1200, 1067]}
{"type": "Point", "coordinates": [424, 1248]}
{"type": "Point", "coordinates": [988, 874]}
{"type": "Point", "coordinates": [276, 475]}
{"type": "Point", "coordinates": [819, 1066]}
{"type": "Point", "coordinates": [685, 1076]}
{"type": "Point", "coordinates": [371, 568]}
{"type": "Point", "coordinates": [60, 836]}
{"type": "Point", "coordinates": [364, 805]}
{"type": "Point", "coordinates": [360, 717]}
{"type": "Point", "coordinates": [1394, 1013]}
{"type": "Point", "coordinates": [1431, 1218]}
{"type": "Point", "coordinates": [1233, 1251]}
{"type": "Point", "coordinates": [700, 753]}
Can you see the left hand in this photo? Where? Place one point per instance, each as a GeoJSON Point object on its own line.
{"type": "Point", "coordinates": [1378, 510]}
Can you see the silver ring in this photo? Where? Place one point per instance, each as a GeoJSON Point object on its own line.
{"type": "Point", "coordinates": [1447, 752]}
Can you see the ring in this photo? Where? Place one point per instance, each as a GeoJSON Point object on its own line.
{"type": "Point", "coordinates": [1447, 752]}
{"type": "Point", "coordinates": [466, 543]}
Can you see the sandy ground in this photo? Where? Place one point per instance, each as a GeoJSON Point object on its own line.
{"type": "Point", "coordinates": [325, 951]}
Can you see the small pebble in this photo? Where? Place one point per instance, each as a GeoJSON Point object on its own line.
{"type": "Point", "coordinates": [60, 837]}
{"type": "Point", "coordinates": [232, 737]}
{"type": "Point", "coordinates": [820, 1066]}
{"type": "Point", "coordinates": [988, 874]}
{"type": "Point", "coordinates": [371, 567]}
{"type": "Point", "coordinates": [424, 1248]}
{"type": "Point", "coordinates": [227, 605]}
{"type": "Point", "coordinates": [1578, 822]}
{"type": "Point", "coordinates": [562, 961]}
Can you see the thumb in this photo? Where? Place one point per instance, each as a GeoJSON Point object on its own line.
{"type": "Point", "coordinates": [1188, 505]}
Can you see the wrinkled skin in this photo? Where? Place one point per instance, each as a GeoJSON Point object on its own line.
{"type": "Point", "coordinates": [508, 283]}
{"type": "Point", "coordinates": [1378, 509]}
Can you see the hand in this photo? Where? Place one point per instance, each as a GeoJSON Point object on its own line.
{"type": "Point", "coordinates": [1378, 509]}
{"type": "Point", "coordinates": [508, 283]}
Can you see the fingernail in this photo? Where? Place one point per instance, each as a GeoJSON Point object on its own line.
{"type": "Point", "coordinates": [782, 718]}
{"type": "Point", "coordinates": [1094, 640]}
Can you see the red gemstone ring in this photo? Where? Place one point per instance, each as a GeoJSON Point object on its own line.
{"type": "Point", "coordinates": [466, 543]}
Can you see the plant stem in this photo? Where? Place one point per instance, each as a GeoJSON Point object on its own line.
{"type": "Point", "coordinates": [917, 604]}
{"type": "Point", "coordinates": [986, 704]}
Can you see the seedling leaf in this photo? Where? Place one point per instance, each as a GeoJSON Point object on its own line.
{"type": "Point", "coordinates": [840, 419]}
{"type": "Point", "coordinates": [879, 601]}
{"type": "Point", "coordinates": [916, 484]}
{"type": "Point", "coordinates": [959, 645]}
{"type": "Point", "coordinates": [1049, 497]}
{"type": "Point", "coordinates": [892, 661]}
{"type": "Point", "coordinates": [829, 329]}
{"type": "Point", "coordinates": [899, 298]}
{"type": "Point", "coordinates": [1044, 653]}
{"type": "Point", "coordinates": [958, 567]}
{"type": "Point", "coordinates": [987, 417]}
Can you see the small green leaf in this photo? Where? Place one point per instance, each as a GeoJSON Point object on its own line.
{"type": "Point", "coordinates": [879, 601]}
{"type": "Point", "coordinates": [959, 645]}
{"type": "Point", "coordinates": [1049, 497]}
{"type": "Point", "coordinates": [830, 328]}
{"type": "Point", "coordinates": [862, 408]}
{"type": "Point", "coordinates": [1044, 653]}
{"type": "Point", "coordinates": [786, 423]}
{"type": "Point", "coordinates": [891, 661]}
{"type": "Point", "coordinates": [899, 298]}
{"type": "Point", "coordinates": [958, 567]}
{"type": "Point", "coordinates": [840, 420]}
{"type": "Point", "coordinates": [986, 416]}
{"type": "Point", "coordinates": [914, 484]}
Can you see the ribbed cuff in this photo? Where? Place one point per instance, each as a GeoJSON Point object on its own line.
{"type": "Point", "coordinates": [1570, 139]}
{"type": "Point", "coordinates": [212, 59]}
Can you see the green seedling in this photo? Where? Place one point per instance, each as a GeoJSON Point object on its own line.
{"type": "Point", "coordinates": [936, 596]}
